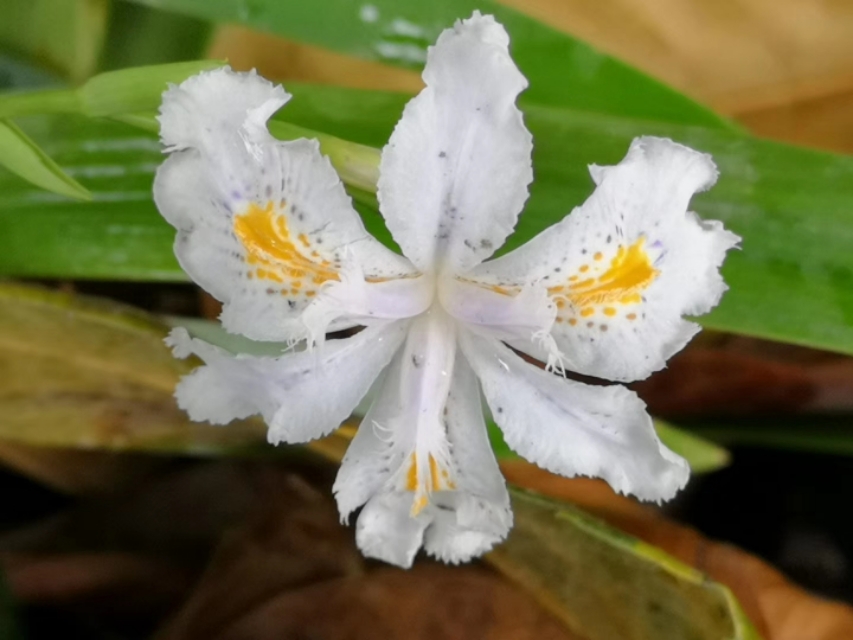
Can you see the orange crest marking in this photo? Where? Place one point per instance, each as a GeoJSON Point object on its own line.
{"type": "Point", "coordinates": [630, 272]}
{"type": "Point", "coordinates": [438, 480]}
{"type": "Point", "coordinates": [271, 250]}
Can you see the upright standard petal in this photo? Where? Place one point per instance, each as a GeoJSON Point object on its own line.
{"type": "Point", "coordinates": [262, 225]}
{"type": "Point", "coordinates": [572, 428]}
{"type": "Point", "coordinates": [627, 265]}
{"type": "Point", "coordinates": [454, 175]}
{"type": "Point", "coordinates": [301, 396]}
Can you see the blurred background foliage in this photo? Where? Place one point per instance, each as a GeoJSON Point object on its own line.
{"type": "Point", "coordinates": [81, 379]}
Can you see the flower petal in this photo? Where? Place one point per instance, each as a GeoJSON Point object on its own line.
{"type": "Point", "coordinates": [387, 531]}
{"type": "Point", "coordinates": [301, 395]}
{"type": "Point", "coordinates": [572, 428]}
{"type": "Point", "coordinates": [627, 265]}
{"type": "Point", "coordinates": [219, 102]}
{"type": "Point", "coordinates": [421, 460]}
{"type": "Point", "coordinates": [454, 538]}
{"type": "Point", "coordinates": [476, 470]}
{"type": "Point", "coordinates": [262, 225]}
{"type": "Point", "coordinates": [381, 446]}
{"type": "Point", "coordinates": [454, 174]}
{"type": "Point", "coordinates": [401, 442]}
{"type": "Point", "coordinates": [471, 520]}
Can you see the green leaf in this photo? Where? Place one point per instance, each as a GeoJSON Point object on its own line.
{"type": "Point", "coordinates": [136, 89]}
{"type": "Point", "coordinates": [96, 374]}
{"type": "Point", "coordinates": [605, 584]}
{"type": "Point", "coordinates": [141, 36]}
{"type": "Point", "coordinates": [831, 435]}
{"type": "Point", "coordinates": [63, 35]}
{"type": "Point", "coordinates": [119, 235]}
{"type": "Point", "coordinates": [107, 94]}
{"type": "Point", "coordinates": [22, 156]}
{"type": "Point", "coordinates": [562, 70]}
{"type": "Point", "coordinates": [17, 73]}
{"type": "Point", "coordinates": [702, 455]}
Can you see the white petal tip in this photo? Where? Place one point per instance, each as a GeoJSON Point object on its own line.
{"type": "Point", "coordinates": [193, 397]}
{"type": "Point", "coordinates": [699, 168]}
{"type": "Point", "coordinates": [180, 342]}
{"type": "Point", "coordinates": [667, 483]}
{"type": "Point", "coordinates": [463, 546]}
{"type": "Point", "coordinates": [484, 27]}
{"type": "Point", "coordinates": [385, 546]}
{"type": "Point", "coordinates": [597, 172]}
{"type": "Point", "coordinates": [217, 101]}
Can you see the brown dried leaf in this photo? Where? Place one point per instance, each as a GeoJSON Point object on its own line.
{"type": "Point", "coordinates": [293, 540]}
{"type": "Point", "coordinates": [138, 551]}
{"type": "Point", "coordinates": [428, 602]}
{"type": "Point", "coordinates": [281, 59]}
{"type": "Point", "coordinates": [741, 376]}
{"type": "Point", "coordinates": [74, 471]}
{"type": "Point", "coordinates": [106, 583]}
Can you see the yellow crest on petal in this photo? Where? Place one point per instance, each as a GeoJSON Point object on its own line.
{"type": "Point", "coordinates": [273, 254]}
{"type": "Point", "coordinates": [603, 290]}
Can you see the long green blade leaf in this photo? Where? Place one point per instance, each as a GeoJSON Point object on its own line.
{"type": "Point", "coordinates": [22, 156]}
{"type": "Point", "coordinates": [562, 70]}
{"type": "Point", "coordinates": [831, 435]}
{"type": "Point", "coordinates": [107, 94]}
{"type": "Point", "coordinates": [111, 93]}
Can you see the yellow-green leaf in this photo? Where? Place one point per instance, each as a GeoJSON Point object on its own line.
{"type": "Point", "coordinates": [65, 35]}
{"type": "Point", "coordinates": [107, 94]}
{"type": "Point", "coordinates": [703, 455]}
{"type": "Point", "coordinates": [136, 89]}
{"type": "Point", "coordinates": [86, 373]}
{"type": "Point", "coordinates": [605, 584]}
{"type": "Point", "coordinates": [20, 155]}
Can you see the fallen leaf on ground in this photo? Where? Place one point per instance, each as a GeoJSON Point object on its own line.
{"type": "Point", "coordinates": [107, 583]}
{"type": "Point", "coordinates": [605, 584]}
{"type": "Point", "coordinates": [293, 541]}
{"type": "Point", "coordinates": [94, 374]}
{"type": "Point", "coordinates": [428, 602]}
{"type": "Point", "coordinates": [779, 609]}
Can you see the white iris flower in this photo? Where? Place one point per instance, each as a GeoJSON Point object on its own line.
{"type": "Point", "coordinates": [267, 228]}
